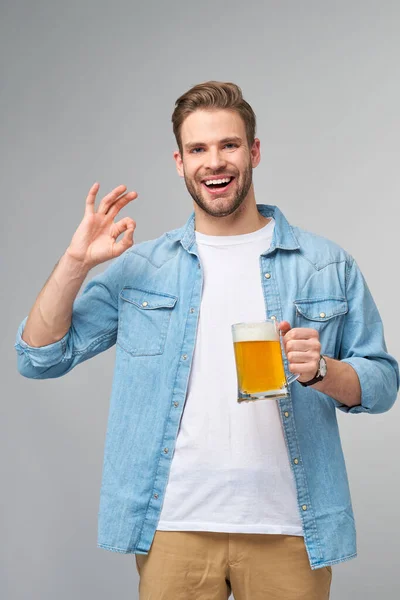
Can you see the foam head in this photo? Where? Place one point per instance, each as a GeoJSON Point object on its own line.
{"type": "Point", "coordinates": [263, 331]}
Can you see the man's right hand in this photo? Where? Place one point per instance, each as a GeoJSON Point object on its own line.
{"type": "Point", "coordinates": [94, 241]}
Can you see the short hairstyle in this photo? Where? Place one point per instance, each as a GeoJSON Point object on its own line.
{"type": "Point", "coordinates": [213, 95]}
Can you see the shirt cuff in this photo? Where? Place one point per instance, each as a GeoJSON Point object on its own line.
{"type": "Point", "coordinates": [366, 375]}
{"type": "Point", "coordinates": [44, 356]}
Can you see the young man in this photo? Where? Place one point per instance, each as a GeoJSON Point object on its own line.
{"type": "Point", "coordinates": [213, 496]}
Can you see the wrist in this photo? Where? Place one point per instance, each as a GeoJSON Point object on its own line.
{"type": "Point", "coordinates": [75, 267]}
{"type": "Point", "coordinates": [320, 373]}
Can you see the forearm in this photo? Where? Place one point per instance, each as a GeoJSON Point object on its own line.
{"type": "Point", "coordinates": [341, 383]}
{"type": "Point", "coordinates": [50, 317]}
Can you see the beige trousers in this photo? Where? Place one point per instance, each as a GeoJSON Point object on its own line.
{"type": "Point", "coordinates": [186, 565]}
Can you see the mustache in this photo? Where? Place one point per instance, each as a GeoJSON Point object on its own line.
{"type": "Point", "coordinates": [224, 174]}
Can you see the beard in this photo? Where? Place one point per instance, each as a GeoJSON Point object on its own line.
{"type": "Point", "coordinates": [220, 207]}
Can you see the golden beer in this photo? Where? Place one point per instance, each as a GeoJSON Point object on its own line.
{"type": "Point", "coordinates": [259, 366]}
{"type": "Point", "coordinates": [259, 363]}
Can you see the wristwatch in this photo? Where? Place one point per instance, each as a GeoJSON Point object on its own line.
{"type": "Point", "coordinates": [320, 374]}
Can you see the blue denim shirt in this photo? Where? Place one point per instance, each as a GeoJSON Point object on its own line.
{"type": "Point", "coordinates": [147, 302]}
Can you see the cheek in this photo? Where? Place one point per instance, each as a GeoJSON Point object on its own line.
{"type": "Point", "coordinates": [191, 175]}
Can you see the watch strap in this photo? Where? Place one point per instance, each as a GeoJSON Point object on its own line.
{"type": "Point", "coordinates": [312, 381]}
{"type": "Point", "coordinates": [318, 377]}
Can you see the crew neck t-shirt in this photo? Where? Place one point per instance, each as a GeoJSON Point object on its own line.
{"type": "Point", "coordinates": [230, 470]}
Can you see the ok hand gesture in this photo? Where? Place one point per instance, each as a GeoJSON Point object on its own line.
{"type": "Point", "coordinates": [94, 241]}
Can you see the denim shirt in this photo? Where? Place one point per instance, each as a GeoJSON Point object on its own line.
{"type": "Point", "coordinates": [147, 302]}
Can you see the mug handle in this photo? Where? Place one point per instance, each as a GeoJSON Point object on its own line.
{"type": "Point", "coordinates": [292, 377]}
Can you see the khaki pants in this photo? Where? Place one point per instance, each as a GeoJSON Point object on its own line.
{"type": "Point", "coordinates": [186, 565]}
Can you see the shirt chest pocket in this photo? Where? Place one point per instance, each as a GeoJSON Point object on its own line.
{"type": "Point", "coordinates": [326, 315]}
{"type": "Point", "coordinates": [144, 320]}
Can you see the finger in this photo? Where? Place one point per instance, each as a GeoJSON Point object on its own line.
{"type": "Point", "coordinates": [303, 357]}
{"type": "Point", "coordinates": [91, 199]}
{"type": "Point", "coordinates": [121, 226]}
{"type": "Point", "coordinates": [284, 327]}
{"type": "Point", "coordinates": [110, 198]}
{"type": "Point", "coordinates": [301, 333]}
{"type": "Point", "coordinates": [300, 345]}
{"type": "Point", "coordinates": [125, 242]}
{"type": "Point", "coordinates": [120, 203]}
{"type": "Point", "coordinates": [305, 371]}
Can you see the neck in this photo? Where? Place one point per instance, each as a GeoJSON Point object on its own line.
{"type": "Point", "coordinates": [245, 219]}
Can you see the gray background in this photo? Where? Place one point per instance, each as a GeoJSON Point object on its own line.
{"type": "Point", "coordinates": [87, 93]}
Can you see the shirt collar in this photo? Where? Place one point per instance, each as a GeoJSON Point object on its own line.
{"type": "Point", "coordinates": [283, 238]}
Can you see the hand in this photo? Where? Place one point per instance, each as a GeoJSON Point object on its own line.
{"type": "Point", "coordinates": [94, 241]}
{"type": "Point", "coordinates": [302, 348]}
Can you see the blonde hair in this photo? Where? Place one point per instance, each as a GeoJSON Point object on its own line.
{"type": "Point", "coordinates": [213, 95]}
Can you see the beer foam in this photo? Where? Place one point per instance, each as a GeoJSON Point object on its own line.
{"type": "Point", "coordinates": [255, 332]}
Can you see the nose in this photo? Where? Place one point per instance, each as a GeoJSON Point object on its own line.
{"type": "Point", "coordinates": [215, 159]}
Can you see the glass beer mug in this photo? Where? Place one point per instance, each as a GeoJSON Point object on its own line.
{"type": "Point", "coordinates": [259, 363]}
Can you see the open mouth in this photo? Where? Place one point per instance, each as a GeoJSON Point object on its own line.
{"type": "Point", "coordinates": [218, 186]}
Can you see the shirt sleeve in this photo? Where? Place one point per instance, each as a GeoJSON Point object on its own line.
{"type": "Point", "coordinates": [93, 329]}
{"type": "Point", "coordinates": [363, 347]}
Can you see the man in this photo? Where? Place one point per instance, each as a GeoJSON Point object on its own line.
{"type": "Point", "coordinates": [213, 496]}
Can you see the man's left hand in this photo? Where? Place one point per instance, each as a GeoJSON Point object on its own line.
{"type": "Point", "coordinates": [303, 350]}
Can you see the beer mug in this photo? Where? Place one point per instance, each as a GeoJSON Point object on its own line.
{"type": "Point", "coordinates": [259, 363]}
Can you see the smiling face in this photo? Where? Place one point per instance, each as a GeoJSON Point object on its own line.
{"type": "Point", "coordinates": [215, 148]}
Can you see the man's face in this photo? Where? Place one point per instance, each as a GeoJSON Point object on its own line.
{"type": "Point", "coordinates": [215, 147]}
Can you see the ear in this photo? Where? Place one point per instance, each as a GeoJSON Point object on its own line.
{"type": "Point", "coordinates": [255, 153]}
{"type": "Point", "coordinates": [179, 163]}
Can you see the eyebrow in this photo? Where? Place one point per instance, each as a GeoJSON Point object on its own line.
{"type": "Point", "coordinates": [226, 140]}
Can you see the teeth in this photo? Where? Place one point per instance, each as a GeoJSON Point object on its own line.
{"type": "Point", "coordinates": [213, 181]}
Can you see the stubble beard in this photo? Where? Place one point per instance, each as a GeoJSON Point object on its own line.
{"type": "Point", "coordinates": [217, 207]}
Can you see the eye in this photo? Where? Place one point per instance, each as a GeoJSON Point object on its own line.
{"type": "Point", "coordinates": [193, 150]}
{"type": "Point", "coordinates": [233, 145]}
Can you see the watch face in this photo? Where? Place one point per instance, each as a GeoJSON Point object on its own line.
{"type": "Point", "coordinates": [322, 366]}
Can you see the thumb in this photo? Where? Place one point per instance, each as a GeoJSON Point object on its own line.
{"type": "Point", "coordinates": [284, 327]}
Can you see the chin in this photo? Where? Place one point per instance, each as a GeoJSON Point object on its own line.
{"type": "Point", "coordinates": [222, 209]}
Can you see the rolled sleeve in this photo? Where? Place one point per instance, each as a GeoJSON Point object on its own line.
{"type": "Point", "coordinates": [363, 347]}
{"type": "Point", "coordinates": [44, 356]}
{"type": "Point", "coordinates": [379, 384]}
{"type": "Point", "coordinates": [94, 325]}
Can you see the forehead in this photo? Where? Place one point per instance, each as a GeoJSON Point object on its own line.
{"type": "Point", "coordinates": [211, 125]}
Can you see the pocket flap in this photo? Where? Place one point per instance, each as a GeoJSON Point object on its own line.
{"type": "Point", "coordinates": [321, 309]}
{"type": "Point", "coordinates": [147, 300]}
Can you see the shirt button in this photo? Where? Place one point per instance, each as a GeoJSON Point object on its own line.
{"type": "Point", "coordinates": [192, 310]}
{"type": "Point", "coordinates": [273, 317]}
{"type": "Point", "coordinates": [166, 450]}
{"type": "Point", "coordinates": [322, 315]}
{"type": "Point", "coordinates": [304, 507]}
{"type": "Point", "coordinates": [156, 496]}
{"type": "Point", "coordinates": [286, 414]}
{"type": "Point", "coordinates": [144, 303]}
{"type": "Point", "coordinates": [296, 461]}
{"type": "Point", "coordinates": [184, 356]}
{"type": "Point", "coordinates": [176, 404]}
{"type": "Point", "coordinates": [267, 275]}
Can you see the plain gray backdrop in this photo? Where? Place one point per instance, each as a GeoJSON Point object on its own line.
{"type": "Point", "coordinates": [87, 93]}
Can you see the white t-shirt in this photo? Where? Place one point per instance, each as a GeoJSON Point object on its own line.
{"type": "Point", "coordinates": [230, 471]}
